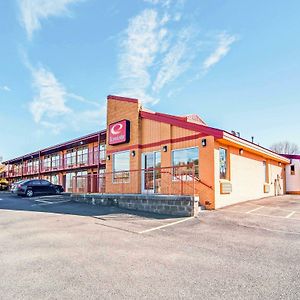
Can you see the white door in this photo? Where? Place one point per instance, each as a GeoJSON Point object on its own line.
{"type": "Point", "coordinates": [151, 173]}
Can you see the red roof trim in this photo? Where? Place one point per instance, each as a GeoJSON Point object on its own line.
{"type": "Point", "coordinates": [291, 156]}
{"type": "Point", "coordinates": [217, 133]}
{"type": "Point", "coordinates": [159, 143]}
{"type": "Point", "coordinates": [120, 98]}
{"type": "Point", "coordinates": [36, 153]}
{"type": "Point", "coordinates": [171, 116]}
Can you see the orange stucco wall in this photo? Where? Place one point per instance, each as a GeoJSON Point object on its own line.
{"type": "Point", "coordinates": [148, 136]}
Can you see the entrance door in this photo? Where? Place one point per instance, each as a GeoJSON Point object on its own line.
{"type": "Point", "coordinates": [151, 173]}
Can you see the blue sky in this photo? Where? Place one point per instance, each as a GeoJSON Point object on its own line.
{"type": "Point", "coordinates": [235, 63]}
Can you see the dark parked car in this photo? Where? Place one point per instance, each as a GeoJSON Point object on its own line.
{"type": "Point", "coordinates": [34, 187]}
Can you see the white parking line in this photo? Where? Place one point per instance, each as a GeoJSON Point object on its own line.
{"type": "Point", "coordinates": [43, 201]}
{"type": "Point", "coordinates": [50, 203]}
{"type": "Point", "coordinates": [255, 209]}
{"type": "Point", "coordinates": [290, 214]}
{"type": "Point", "coordinates": [259, 215]}
{"type": "Point", "coordinates": [167, 225]}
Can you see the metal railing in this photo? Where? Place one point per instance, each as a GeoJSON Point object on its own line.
{"type": "Point", "coordinates": [175, 180]}
{"type": "Point", "coordinates": [92, 158]}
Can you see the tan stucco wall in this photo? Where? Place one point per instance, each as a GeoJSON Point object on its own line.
{"type": "Point", "coordinates": [293, 181]}
{"type": "Point", "coordinates": [246, 174]}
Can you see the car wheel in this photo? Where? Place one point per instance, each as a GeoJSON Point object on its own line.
{"type": "Point", "coordinates": [29, 193]}
{"type": "Point", "coordinates": [57, 191]}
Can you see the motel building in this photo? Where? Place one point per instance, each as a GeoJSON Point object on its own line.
{"type": "Point", "coordinates": [293, 174]}
{"type": "Point", "coordinates": [146, 152]}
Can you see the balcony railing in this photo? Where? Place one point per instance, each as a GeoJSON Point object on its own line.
{"type": "Point", "coordinates": [92, 158]}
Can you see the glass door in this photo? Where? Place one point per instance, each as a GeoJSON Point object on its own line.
{"type": "Point", "coordinates": [151, 173]}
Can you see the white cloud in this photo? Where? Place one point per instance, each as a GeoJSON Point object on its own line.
{"type": "Point", "coordinates": [223, 47]}
{"type": "Point", "coordinates": [5, 88]}
{"type": "Point", "coordinates": [164, 3]}
{"type": "Point", "coordinates": [154, 53]}
{"type": "Point", "coordinates": [144, 36]}
{"type": "Point", "coordinates": [33, 11]}
{"type": "Point", "coordinates": [175, 62]}
{"type": "Point", "coordinates": [55, 109]}
{"type": "Point", "coordinates": [50, 100]}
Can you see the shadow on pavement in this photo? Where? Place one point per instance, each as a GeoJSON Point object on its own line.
{"type": "Point", "coordinates": [61, 205]}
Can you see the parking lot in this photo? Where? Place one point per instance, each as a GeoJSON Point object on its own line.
{"type": "Point", "coordinates": [52, 248]}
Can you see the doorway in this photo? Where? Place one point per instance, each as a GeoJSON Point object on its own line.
{"type": "Point", "coordinates": [151, 172]}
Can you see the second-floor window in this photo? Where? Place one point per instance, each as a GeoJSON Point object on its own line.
{"type": "Point", "coordinates": [47, 162]}
{"type": "Point", "coordinates": [55, 160]}
{"type": "Point", "coordinates": [71, 157]}
{"type": "Point", "coordinates": [36, 164]}
{"type": "Point", "coordinates": [102, 152]}
{"type": "Point", "coordinates": [30, 166]}
{"type": "Point", "coordinates": [82, 155]}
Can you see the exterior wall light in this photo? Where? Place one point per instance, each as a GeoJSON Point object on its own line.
{"type": "Point", "coordinates": [203, 142]}
{"type": "Point", "coordinates": [133, 153]}
{"type": "Point", "coordinates": [279, 164]}
{"type": "Point", "coordinates": [241, 151]}
{"type": "Point", "coordinates": [108, 157]}
{"type": "Point", "coordinates": [165, 148]}
{"type": "Point", "coordinates": [81, 142]}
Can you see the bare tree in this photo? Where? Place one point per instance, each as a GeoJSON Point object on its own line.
{"type": "Point", "coordinates": [285, 148]}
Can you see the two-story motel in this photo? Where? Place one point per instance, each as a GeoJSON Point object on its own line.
{"type": "Point", "coordinates": [142, 151]}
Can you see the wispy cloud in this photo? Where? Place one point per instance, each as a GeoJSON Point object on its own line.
{"type": "Point", "coordinates": [50, 99]}
{"type": "Point", "coordinates": [224, 41]}
{"type": "Point", "coordinates": [55, 109]}
{"type": "Point", "coordinates": [158, 48]}
{"type": "Point", "coordinates": [33, 11]}
{"type": "Point", "coordinates": [142, 43]}
{"type": "Point", "coordinates": [5, 88]}
{"type": "Point", "coordinates": [175, 62]}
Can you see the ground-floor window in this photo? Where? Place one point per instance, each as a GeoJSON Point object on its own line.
{"type": "Point", "coordinates": [70, 181]}
{"type": "Point", "coordinates": [81, 181]}
{"type": "Point", "coordinates": [185, 163]}
{"type": "Point", "coordinates": [54, 179]}
{"type": "Point", "coordinates": [223, 163]}
{"type": "Point", "coordinates": [121, 167]}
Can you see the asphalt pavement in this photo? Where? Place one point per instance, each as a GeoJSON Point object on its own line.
{"type": "Point", "coordinates": [51, 248]}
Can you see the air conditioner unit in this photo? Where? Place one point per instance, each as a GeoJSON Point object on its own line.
{"type": "Point", "coordinates": [225, 187]}
{"type": "Point", "coordinates": [266, 188]}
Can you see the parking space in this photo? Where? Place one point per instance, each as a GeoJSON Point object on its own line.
{"type": "Point", "coordinates": [55, 249]}
{"type": "Point", "coordinates": [282, 207]}
{"type": "Point", "coordinates": [111, 217]}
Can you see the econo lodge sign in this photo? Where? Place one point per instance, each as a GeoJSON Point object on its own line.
{"type": "Point", "coordinates": [119, 132]}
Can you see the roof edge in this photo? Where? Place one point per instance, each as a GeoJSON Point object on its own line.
{"type": "Point", "coordinates": [243, 142]}
{"type": "Point", "coordinates": [121, 98]}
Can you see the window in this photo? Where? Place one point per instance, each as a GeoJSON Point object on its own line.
{"type": "Point", "coordinates": [121, 167]}
{"type": "Point", "coordinates": [55, 161]}
{"type": "Point", "coordinates": [70, 177]}
{"type": "Point", "coordinates": [30, 166]}
{"type": "Point", "coordinates": [223, 163]}
{"type": "Point", "coordinates": [184, 162]}
{"type": "Point", "coordinates": [71, 158]}
{"type": "Point", "coordinates": [102, 152]}
{"type": "Point", "coordinates": [265, 171]}
{"type": "Point", "coordinates": [36, 164]}
{"type": "Point", "coordinates": [47, 162]}
{"type": "Point", "coordinates": [45, 182]}
{"type": "Point", "coordinates": [82, 181]}
{"type": "Point", "coordinates": [292, 169]}
{"type": "Point", "coordinates": [54, 179]}
{"type": "Point", "coordinates": [82, 155]}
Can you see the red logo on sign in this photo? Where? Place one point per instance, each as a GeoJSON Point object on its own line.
{"type": "Point", "coordinates": [119, 132]}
